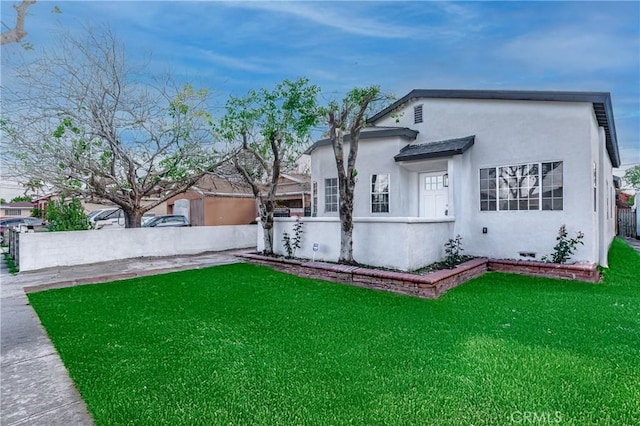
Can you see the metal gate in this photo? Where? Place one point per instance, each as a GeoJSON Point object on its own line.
{"type": "Point", "coordinates": [627, 223]}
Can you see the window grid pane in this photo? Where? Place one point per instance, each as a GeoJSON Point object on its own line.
{"type": "Point", "coordinates": [519, 187]}
{"type": "Point", "coordinates": [552, 186]}
{"type": "Point", "coordinates": [314, 211]}
{"type": "Point", "coordinates": [488, 192]}
{"type": "Point", "coordinates": [535, 186]}
{"type": "Point", "coordinates": [380, 193]}
{"type": "Point", "coordinates": [331, 195]}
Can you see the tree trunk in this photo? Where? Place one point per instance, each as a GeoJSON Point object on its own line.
{"type": "Point", "coordinates": [346, 241]}
{"type": "Point", "coordinates": [346, 227]}
{"type": "Point", "coordinates": [132, 219]}
{"type": "Point", "coordinates": [267, 226]}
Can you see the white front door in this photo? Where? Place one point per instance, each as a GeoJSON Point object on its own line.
{"type": "Point", "coordinates": [434, 196]}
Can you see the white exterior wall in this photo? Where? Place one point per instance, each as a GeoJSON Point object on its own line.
{"type": "Point", "coordinates": [507, 133]}
{"type": "Point", "coordinates": [49, 249]}
{"type": "Point", "coordinates": [415, 242]}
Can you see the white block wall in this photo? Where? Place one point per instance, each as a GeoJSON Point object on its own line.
{"type": "Point", "coordinates": [399, 243]}
{"type": "Point", "coordinates": [49, 249]}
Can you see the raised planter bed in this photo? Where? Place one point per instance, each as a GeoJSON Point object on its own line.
{"type": "Point", "coordinates": [431, 285]}
{"type": "Point", "coordinates": [580, 271]}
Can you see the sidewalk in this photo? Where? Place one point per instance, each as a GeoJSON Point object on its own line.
{"type": "Point", "coordinates": [35, 388]}
{"type": "Point", "coordinates": [633, 243]}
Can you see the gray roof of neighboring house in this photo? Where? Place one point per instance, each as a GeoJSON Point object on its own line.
{"type": "Point", "coordinates": [437, 149]}
{"type": "Point", "coordinates": [601, 106]}
{"type": "Point", "coordinates": [18, 205]}
{"type": "Point", "coordinates": [617, 181]}
{"type": "Point", "coordinates": [373, 132]}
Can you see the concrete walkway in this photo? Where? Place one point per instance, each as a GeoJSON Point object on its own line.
{"type": "Point", "coordinates": [633, 243]}
{"type": "Point", "coordinates": [35, 388]}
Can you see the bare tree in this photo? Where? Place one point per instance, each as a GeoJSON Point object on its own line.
{"type": "Point", "coordinates": [17, 33]}
{"type": "Point", "coordinates": [271, 128]}
{"type": "Point", "coordinates": [86, 123]}
{"type": "Point", "coordinates": [348, 116]}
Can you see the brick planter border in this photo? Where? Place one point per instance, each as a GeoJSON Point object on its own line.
{"type": "Point", "coordinates": [430, 286]}
{"type": "Point", "coordinates": [580, 271]}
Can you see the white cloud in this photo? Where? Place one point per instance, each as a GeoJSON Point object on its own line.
{"type": "Point", "coordinates": [321, 14]}
{"type": "Point", "coordinates": [573, 50]}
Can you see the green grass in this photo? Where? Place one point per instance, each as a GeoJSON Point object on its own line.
{"type": "Point", "coordinates": [242, 344]}
{"type": "Point", "coordinates": [11, 266]}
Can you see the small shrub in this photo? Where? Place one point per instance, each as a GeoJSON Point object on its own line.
{"type": "Point", "coordinates": [453, 252]}
{"type": "Point", "coordinates": [291, 244]}
{"type": "Point", "coordinates": [36, 212]}
{"type": "Point", "coordinates": [565, 247]}
{"type": "Point", "coordinates": [63, 216]}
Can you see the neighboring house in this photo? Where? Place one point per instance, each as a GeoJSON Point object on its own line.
{"type": "Point", "coordinates": [294, 194]}
{"type": "Point", "coordinates": [215, 201]}
{"type": "Point", "coordinates": [19, 209]}
{"type": "Point", "coordinates": [503, 169]}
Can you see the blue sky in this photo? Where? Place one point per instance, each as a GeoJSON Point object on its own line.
{"type": "Point", "coordinates": [231, 47]}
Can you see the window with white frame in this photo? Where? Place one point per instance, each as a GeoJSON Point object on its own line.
{"type": "Point", "coordinates": [417, 114]}
{"type": "Point", "coordinates": [331, 195]}
{"type": "Point", "coordinates": [533, 186]}
{"type": "Point", "coordinates": [314, 209]}
{"type": "Point", "coordinates": [13, 212]}
{"type": "Point", "coordinates": [380, 193]}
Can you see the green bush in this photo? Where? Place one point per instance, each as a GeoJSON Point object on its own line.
{"type": "Point", "coordinates": [67, 216]}
{"type": "Point", "coordinates": [565, 246]}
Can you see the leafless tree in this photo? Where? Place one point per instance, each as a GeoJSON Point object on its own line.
{"type": "Point", "coordinates": [85, 122]}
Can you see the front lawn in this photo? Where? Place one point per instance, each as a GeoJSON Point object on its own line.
{"type": "Point", "coordinates": [242, 344]}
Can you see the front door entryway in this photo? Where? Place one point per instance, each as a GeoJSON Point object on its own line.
{"type": "Point", "coordinates": [434, 195]}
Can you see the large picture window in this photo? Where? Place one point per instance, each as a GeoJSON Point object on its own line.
{"type": "Point", "coordinates": [331, 195]}
{"type": "Point", "coordinates": [534, 186]}
{"type": "Point", "coordinates": [380, 193]}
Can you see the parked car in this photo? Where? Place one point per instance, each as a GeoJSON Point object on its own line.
{"type": "Point", "coordinates": [107, 218]}
{"type": "Point", "coordinates": [112, 218]}
{"type": "Point", "coordinates": [166, 221]}
{"type": "Point", "coordinates": [8, 223]}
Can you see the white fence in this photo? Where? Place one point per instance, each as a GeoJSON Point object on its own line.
{"type": "Point", "coordinates": [49, 249]}
{"type": "Point", "coordinates": [405, 243]}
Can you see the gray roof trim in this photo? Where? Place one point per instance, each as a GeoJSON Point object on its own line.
{"type": "Point", "coordinates": [371, 133]}
{"type": "Point", "coordinates": [436, 149]}
{"type": "Point", "coordinates": [601, 106]}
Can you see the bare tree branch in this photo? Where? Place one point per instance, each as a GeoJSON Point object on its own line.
{"type": "Point", "coordinates": [80, 124]}
{"type": "Point", "coordinates": [17, 33]}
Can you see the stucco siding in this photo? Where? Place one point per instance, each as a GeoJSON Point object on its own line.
{"type": "Point", "coordinates": [507, 133]}
{"type": "Point", "coordinates": [399, 243]}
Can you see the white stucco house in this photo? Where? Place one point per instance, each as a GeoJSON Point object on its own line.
{"type": "Point", "coordinates": [503, 169]}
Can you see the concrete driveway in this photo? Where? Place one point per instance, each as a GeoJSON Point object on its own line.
{"type": "Point", "coordinates": [35, 388]}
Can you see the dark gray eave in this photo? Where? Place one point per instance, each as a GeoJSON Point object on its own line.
{"type": "Point", "coordinates": [437, 149]}
{"type": "Point", "coordinates": [371, 133]}
{"type": "Point", "coordinates": [601, 101]}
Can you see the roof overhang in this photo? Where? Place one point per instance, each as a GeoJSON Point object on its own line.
{"type": "Point", "coordinates": [371, 133]}
{"type": "Point", "coordinates": [437, 149]}
{"type": "Point", "coordinates": [601, 102]}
